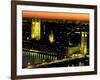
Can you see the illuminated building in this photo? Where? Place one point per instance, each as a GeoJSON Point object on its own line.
{"type": "Point", "coordinates": [35, 29]}
{"type": "Point", "coordinates": [83, 42]}
{"type": "Point", "coordinates": [46, 41]}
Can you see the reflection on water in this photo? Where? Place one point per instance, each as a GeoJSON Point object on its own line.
{"type": "Point", "coordinates": [36, 58]}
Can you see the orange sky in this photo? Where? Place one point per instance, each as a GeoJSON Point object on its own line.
{"type": "Point", "coordinates": [52, 15]}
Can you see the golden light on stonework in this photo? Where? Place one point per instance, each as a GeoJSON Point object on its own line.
{"type": "Point", "coordinates": [51, 37]}
{"type": "Point", "coordinates": [84, 42]}
{"type": "Point", "coordinates": [35, 29]}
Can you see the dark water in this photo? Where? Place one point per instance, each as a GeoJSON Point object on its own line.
{"type": "Point", "coordinates": [36, 58]}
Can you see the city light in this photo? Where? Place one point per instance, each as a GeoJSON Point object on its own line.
{"type": "Point", "coordinates": [54, 43]}
{"type": "Point", "coordinates": [51, 37]}
{"type": "Point", "coordinates": [35, 29]}
{"type": "Point", "coordinates": [84, 42]}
